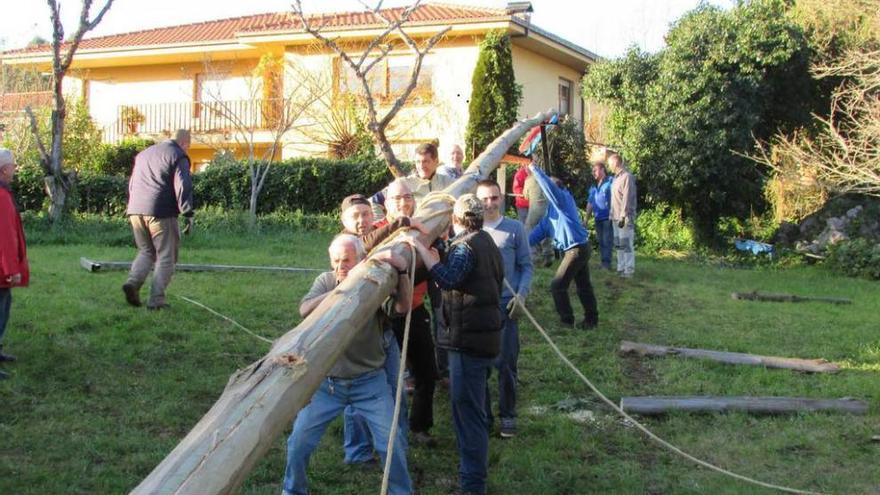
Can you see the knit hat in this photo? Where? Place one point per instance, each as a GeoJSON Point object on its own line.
{"type": "Point", "coordinates": [354, 199]}
{"type": "Point", "coordinates": [6, 157]}
{"type": "Point", "coordinates": [467, 205]}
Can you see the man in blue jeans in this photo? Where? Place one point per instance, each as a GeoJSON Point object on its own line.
{"type": "Point", "coordinates": [599, 204]}
{"type": "Point", "coordinates": [470, 278]}
{"type": "Point", "coordinates": [357, 379]}
{"type": "Point", "coordinates": [562, 223]}
{"type": "Point", "coordinates": [510, 238]}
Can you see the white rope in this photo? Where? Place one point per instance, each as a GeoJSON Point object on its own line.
{"type": "Point", "coordinates": [230, 320]}
{"type": "Point", "coordinates": [389, 451]}
{"type": "Point", "coordinates": [638, 425]}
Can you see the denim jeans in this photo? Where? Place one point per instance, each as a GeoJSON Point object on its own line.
{"type": "Point", "coordinates": [505, 363]}
{"type": "Point", "coordinates": [468, 380]}
{"type": "Point", "coordinates": [370, 396]}
{"type": "Point", "coordinates": [605, 235]}
{"type": "Point", "coordinates": [575, 267]}
{"type": "Point", "coordinates": [357, 443]}
{"type": "Point", "coordinates": [5, 306]}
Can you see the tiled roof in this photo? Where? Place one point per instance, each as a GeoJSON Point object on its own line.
{"type": "Point", "coordinates": [226, 29]}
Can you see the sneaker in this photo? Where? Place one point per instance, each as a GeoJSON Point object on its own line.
{"type": "Point", "coordinates": [589, 323]}
{"type": "Point", "coordinates": [424, 439]}
{"type": "Point", "coordinates": [625, 275]}
{"type": "Point", "coordinates": [508, 427]}
{"type": "Point", "coordinates": [567, 323]}
{"type": "Point", "coordinates": [7, 358]}
{"type": "Point", "coordinates": [157, 307]}
{"type": "Point", "coordinates": [131, 295]}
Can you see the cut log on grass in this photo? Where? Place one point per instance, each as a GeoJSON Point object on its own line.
{"type": "Point", "coordinates": [657, 405]}
{"type": "Point", "coordinates": [770, 297]}
{"type": "Point", "coordinates": [103, 266]}
{"type": "Point", "coordinates": [261, 400]}
{"type": "Point", "coordinates": [809, 365]}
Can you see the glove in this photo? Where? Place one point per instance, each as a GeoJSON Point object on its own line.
{"type": "Point", "coordinates": [622, 222]}
{"type": "Point", "coordinates": [514, 310]}
{"type": "Point", "coordinates": [188, 225]}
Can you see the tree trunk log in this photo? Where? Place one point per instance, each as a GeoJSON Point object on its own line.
{"type": "Point", "coordinates": [103, 266]}
{"type": "Point", "coordinates": [261, 400]}
{"type": "Point", "coordinates": [810, 365]}
{"type": "Point", "coordinates": [770, 297]}
{"type": "Point", "coordinates": [657, 405]}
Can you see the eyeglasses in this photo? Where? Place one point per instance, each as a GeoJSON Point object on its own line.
{"type": "Point", "coordinates": [402, 197]}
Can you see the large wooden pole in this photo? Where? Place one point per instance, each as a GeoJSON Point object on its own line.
{"type": "Point", "coordinates": [260, 401]}
{"type": "Point", "coordinates": [653, 405]}
{"type": "Point", "coordinates": [809, 365]}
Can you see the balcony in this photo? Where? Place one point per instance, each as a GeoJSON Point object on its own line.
{"type": "Point", "coordinates": [215, 117]}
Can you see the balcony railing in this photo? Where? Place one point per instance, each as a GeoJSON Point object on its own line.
{"type": "Point", "coordinates": [199, 117]}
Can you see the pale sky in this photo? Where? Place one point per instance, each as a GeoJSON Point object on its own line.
{"type": "Point", "coordinates": [605, 27]}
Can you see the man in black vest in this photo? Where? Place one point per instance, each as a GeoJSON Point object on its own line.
{"type": "Point", "coordinates": [470, 278]}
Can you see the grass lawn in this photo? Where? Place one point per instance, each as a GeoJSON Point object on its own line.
{"type": "Point", "coordinates": [102, 391]}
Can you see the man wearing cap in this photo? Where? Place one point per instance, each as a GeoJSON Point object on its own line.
{"type": "Point", "coordinates": [14, 270]}
{"type": "Point", "coordinates": [357, 220]}
{"type": "Point", "coordinates": [356, 380]}
{"type": "Point", "coordinates": [599, 204]}
{"type": "Point", "coordinates": [470, 278]}
{"type": "Point", "coordinates": [562, 223]}
{"type": "Point", "coordinates": [510, 237]}
{"type": "Point", "coordinates": [159, 191]}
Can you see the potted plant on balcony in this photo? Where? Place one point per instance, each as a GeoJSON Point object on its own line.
{"type": "Point", "coordinates": [131, 118]}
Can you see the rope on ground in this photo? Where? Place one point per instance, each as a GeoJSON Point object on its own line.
{"type": "Point", "coordinates": [230, 320]}
{"type": "Point", "coordinates": [398, 398]}
{"type": "Point", "coordinates": [638, 425]}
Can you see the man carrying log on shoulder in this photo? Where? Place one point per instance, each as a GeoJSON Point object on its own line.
{"type": "Point", "coordinates": [357, 379]}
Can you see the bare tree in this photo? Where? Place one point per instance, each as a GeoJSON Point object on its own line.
{"type": "Point", "coordinates": [268, 113]}
{"type": "Point", "coordinates": [375, 51]}
{"type": "Point", "coordinates": [843, 154]}
{"type": "Point", "coordinates": [57, 182]}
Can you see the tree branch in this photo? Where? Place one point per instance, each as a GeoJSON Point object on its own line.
{"type": "Point", "coordinates": [45, 160]}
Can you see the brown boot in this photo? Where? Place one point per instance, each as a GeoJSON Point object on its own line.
{"type": "Point", "coordinates": [131, 295]}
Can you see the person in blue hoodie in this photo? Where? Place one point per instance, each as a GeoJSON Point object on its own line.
{"type": "Point", "coordinates": [562, 223]}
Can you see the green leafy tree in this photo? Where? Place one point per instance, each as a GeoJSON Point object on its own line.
{"type": "Point", "coordinates": [495, 96]}
{"type": "Point", "coordinates": [684, 117]}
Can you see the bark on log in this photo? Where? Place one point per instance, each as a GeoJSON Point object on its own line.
{"type": "Point", "coordinates": [770, 297]}
{"type": "Point", "coordinates": [657, 405]}
{"type": "Point", "coordinates": [261, 400]}
{"type": "Point", "coordinates": [103, 266]}
{"type": "Point", "coordinates": [809, 365]}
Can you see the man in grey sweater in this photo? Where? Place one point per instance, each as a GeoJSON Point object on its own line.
{"type": "Point", "coordinates": [159, 191]}
{"type": "Point", "coordinates": [510, 237]}
{"type": "Point", "coordinates": [623, 215]}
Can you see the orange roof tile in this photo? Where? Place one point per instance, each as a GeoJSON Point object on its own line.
{"type": "Point", "coordinates": [226, 29]}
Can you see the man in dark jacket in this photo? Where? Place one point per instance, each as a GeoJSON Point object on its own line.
{"type": "Point", "coordinates": [14, 270]}
{"type": "Point", "coordinates": [470, 278]}
{"type": "Point", "coordinates": [159, 191]}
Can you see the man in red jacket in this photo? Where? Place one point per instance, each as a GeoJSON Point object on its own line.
{"type": "Point", "coordinates": [13, 253]}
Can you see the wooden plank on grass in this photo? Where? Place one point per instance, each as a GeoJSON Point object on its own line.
{"type": "Point", "coordinates": [771, 297]}
{"type": "Point", "coordinates": [657, 405]}
{"type": "Point", "coordinates": [809, 365]}
{"type": "Point", "coordinates": [102, 266]}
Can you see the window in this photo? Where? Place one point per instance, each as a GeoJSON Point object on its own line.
{"type": "Point", "coordinates": [564, 97]}
{"type": "Point", "coordinates": [388, 79]}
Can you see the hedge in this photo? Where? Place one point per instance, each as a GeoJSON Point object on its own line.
{"type": "Point", "coordinates": [311, 185]}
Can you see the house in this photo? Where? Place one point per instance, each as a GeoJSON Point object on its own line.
{"type": "Point", "coordinates": [218, 76]}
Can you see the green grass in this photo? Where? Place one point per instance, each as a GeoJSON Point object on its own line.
{"type": "Point", "coordinates": [102, 392]}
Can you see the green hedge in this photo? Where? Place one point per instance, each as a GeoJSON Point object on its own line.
{"type": "Point", "coordinates": [311, 185]}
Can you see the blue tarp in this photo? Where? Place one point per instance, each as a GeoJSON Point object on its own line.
{"type": "Point", "coordinates": [754, 247]}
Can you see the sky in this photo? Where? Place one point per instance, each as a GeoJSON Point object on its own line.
{"type": "Point", "coordinates": [605, 27]}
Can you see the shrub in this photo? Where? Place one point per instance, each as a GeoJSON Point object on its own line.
{"type": "Point", "coordinates": [119, 159]}
{"type": "Point", "coordinates": [663, 228]}
{"type": "Point", "coordinates": [568, 157]}
{"type": "Point", "coordinates": [856, 258]}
